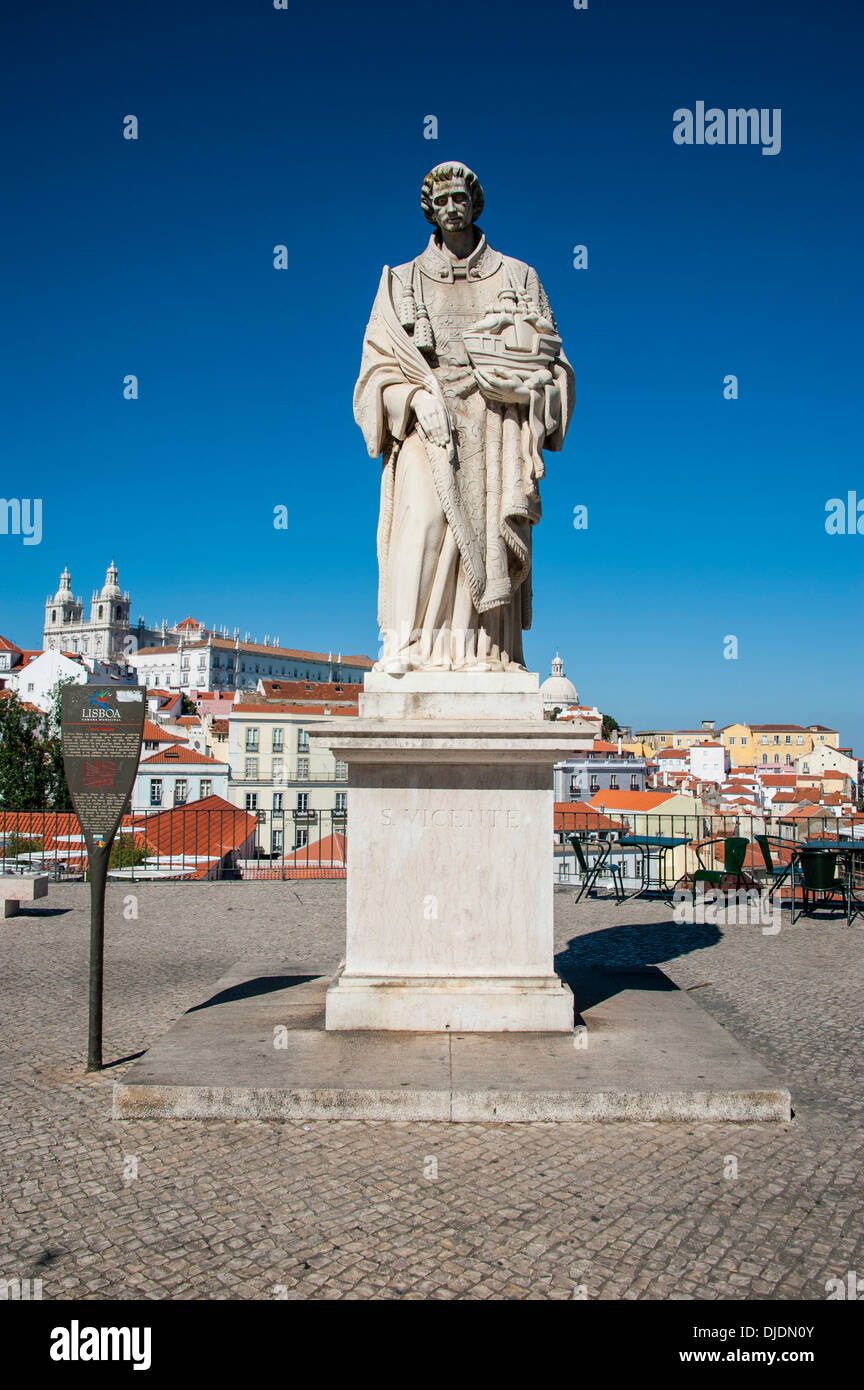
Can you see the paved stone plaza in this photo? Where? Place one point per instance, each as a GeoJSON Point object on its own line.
{"type": "Point", "coordinates": [336, 1209]}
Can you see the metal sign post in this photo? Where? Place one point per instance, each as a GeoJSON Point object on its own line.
{"type": "Point", "coordinates": [101, 732]}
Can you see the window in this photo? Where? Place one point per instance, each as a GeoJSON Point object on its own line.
{"type": "Point", "coordinates": [788, 759]}
{"type": "Point", "coordinates": [278, 836]}
{"type": "Point", "coordinates": [743, 741]}
{"type": "Point", "coordinates": [156, 791]}
{"type": "Point", "coordinates": [303, 768]}
{"type": "Point", "coordinates": [301, 838]}
{"type": "Point", "coordinates": [800, 739]}
{"type": "Point", "coordinates": [341, 801]}
{"type": "Point", "coordinates": [595, 782]}
{"type": "Point", "coordinates": [302, 801]}
{"type": "Point", "coordinates": [574, 787]}
{"type": "Point", "coordinates": [662, 738]}
{"type": "Point", "coordinates": [634, 782]}
{"type": "Point", "coordinates": [251, 740]}
{"type": "Point", "coordinates": [776, 738]}
{"type": "Point", "coordinates": [776, 757]}
{"type": "Point", "coordinates": [613, 782]}
{"type": "Point", "coordinates": [764, 757]}
{"type": "Point", "coordinates": [100, 610]}
{"type": "Point", "coordinates": [180, 787]}
{"type": "Point", "coordinates": [341, 770]}
{"type": "Point", "coordinates": [278, 736]}
{"type": "Point", "coordinates": [277, 801]}
{"type": "Point", "coordinates": [731, 740]}
{"type": "Point", "coordinates": [788, 738]}
{"type": "Point", "coordinates": [251, 801]}
{"type": "Point", "coordinates": [205, 787]}
{"type": "Point", "coordinates": [251, 769]}
{"type": "Point", "coordinates": [764, 738]}
{"type": "Point", "coordinates": [806, 767]}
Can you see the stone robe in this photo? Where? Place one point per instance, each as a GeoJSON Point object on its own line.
{"type": "Point", "coordinates": [454, 533]}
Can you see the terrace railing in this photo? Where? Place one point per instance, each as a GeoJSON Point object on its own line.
{"type": "Point", "coordinates": [187, 843]}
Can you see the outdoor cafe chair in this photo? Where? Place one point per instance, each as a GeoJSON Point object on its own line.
{"type": "Point", "coordinates": [591, 872]}
{"type": "Point", "coordinates": [775, 873]}
{"type": "Point", "coordinates": [734, 853]}
{"type": "Point", "coordinates": [821, 885]}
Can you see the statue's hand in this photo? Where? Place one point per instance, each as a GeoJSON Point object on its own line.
{"type": "Point", "coordinates": [432, 415]}
{"type": "Point", "coordinates": [503, 387]}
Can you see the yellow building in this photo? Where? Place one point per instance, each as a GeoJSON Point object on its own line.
{"type": "Point", "coordinates": [748, 745]}
{"type": "Point", "coordinates": [782, 744]}
{"type": "Point", "coordinates": [738, 742]}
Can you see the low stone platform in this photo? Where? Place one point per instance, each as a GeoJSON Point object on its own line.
{"type": "Point", "coordinates": [257, 1049]}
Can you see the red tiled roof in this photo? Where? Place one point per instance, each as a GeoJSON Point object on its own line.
{"type": "Point", "coordinates": [154, 733]}
{"type": "Point", "coordinates": [328, 853]}
{"type": "Point", "coordinates": [207, 830]}
{"type": "Point", "coordinates": [629, 801]}
{"type": "Point", "coordinates": [183, 754]}
{"type": "Point", "coordinates": [227, 644]}
{"type": "Point", "coordinates": [578, 815]}
{"type": "Point", "coordinates": [305, 691]}
{"type": "Point", "coordinates": [7, 646]}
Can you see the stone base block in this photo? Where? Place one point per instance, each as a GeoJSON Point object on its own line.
{"type": "Point", "coordinates": [465, 1005]}
{"type": "Point", "coordinates": [452, 695]}
{"type": "Point", "coordinates": [257, 1049]}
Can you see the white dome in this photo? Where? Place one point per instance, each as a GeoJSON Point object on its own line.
{"type": "Point", "coordinates": [111, 589]}
{"type": "Point", "coordinates": [65, 590]}
{"type": "Point", "coordinates": [559, 688]}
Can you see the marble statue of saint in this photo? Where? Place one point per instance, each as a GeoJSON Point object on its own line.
{"type": "Point", "coordinates": [462, 386]}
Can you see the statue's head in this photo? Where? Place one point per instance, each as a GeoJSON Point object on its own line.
{"type": "Point", "coordinates": [451, 197]}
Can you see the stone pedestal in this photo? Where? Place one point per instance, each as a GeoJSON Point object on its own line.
{"type": "Point", "coordinates": [450, 856]}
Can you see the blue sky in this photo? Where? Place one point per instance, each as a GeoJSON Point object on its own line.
{"type": "Point", "coordinates": [305, 127]}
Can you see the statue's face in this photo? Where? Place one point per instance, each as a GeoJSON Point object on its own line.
{"type": "Point", "coordinates": [451, 204]}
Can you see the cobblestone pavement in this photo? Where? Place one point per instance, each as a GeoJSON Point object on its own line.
{"type": "Point", "coordinates": [354, 1210]}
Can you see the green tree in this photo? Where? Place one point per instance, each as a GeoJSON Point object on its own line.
{"type": "Point", "coordinates": [187, 705]}
{"type": "Point", "coordinates": [57, 792]}
{"type": "Point", "coordinates": [609, 723]}
{"type": "Point", "coordinates": [24, 776]}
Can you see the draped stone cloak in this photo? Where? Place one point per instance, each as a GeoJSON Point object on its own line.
{"type": "Point", "coordinates": [486, 479]}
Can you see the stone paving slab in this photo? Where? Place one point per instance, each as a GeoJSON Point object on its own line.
{"type": "Point", "coordinates": [257, 1049]}
{"type": "Point", "coordinates": [349, 1209]}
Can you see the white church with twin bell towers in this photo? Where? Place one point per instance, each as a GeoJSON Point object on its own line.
{"type": "Point", "coordinates": [105, 634]}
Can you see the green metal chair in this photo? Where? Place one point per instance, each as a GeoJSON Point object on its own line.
{"type": "Point", "coordinates": [820, 884]}
{"type": "Point", "coordinates": [776, 874]}
{"type": "Point", "coordinates": [587, 870]}
{"type": "Point", "coordinates": [734, 853]}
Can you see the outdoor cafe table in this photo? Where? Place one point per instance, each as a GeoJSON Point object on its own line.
{"type": "Point", "coordinates": [842, 849]}
{"type": "Point", "coordinates": [658, 846]}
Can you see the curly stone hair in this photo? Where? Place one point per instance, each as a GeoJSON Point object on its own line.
{"type": "Point", "coordinates": [451, 171]}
